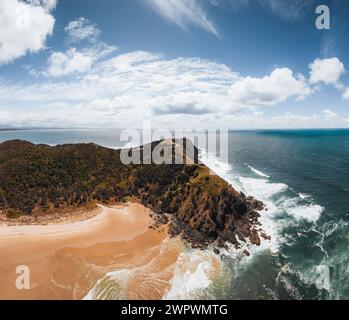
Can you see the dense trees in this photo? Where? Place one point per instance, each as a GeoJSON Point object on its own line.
{"type": "Point", "coordinates": [41, 176]}
{"type": "Point", "coordinates": [38, 176]}
{"type": "Point", "coordinates": [35, 178]}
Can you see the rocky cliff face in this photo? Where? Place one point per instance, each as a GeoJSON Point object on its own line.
{"type": "Point", "coordinates": [200, 207]}
{"type": "Point", "coordinates": [207, 209]}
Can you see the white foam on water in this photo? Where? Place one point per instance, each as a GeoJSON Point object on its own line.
{"type": "Point", "coordinates": [284, 208]}
{"type": "Point", "coordinates": [304, 196]}
{"type": "Point", "coordinates": [219, 167]}
{"type": "Point", "coordinates": [260, 173]}
{"type": "Point", "coordinates": [334, 227]}
{"type": "Point", "coordinates": [193, 271]}
{"type": "Point", "coordinates": [192, 275]}
{"type": "Point", "coordinates": [308, 212]}
{"type": "Point", "coordinates": [261, 188]}
{"type": "Point", "coordinates": [109, 286]}
{"type": "Point", "coordinates": [280, 207]}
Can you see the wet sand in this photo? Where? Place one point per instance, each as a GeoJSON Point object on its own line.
{"type": "Point", "coordinates": [67, 260]}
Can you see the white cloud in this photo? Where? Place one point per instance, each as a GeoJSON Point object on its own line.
{"type": "Point", "coordinates": [24, 27]}
{"type": "Point", "coordinates": [269, 90]}
{"type": "Point", "coordinates": [72, 61]}
{"type": "Point", "coordinates": [48, 5]}
{"type": "Point", "coordinates": [288, 9]}
{"type": "Point", "coordinates": [327, 71]}
{"type": "Point", "coordinates": [235, 4]}
{"type": "Point", "coordinates": [346, 94]}
{"type": "Point", "coordinates": [63, 64]}
{"type": "Point", "coordinates": [289, 120]}
{"type": "Point", "coordinates": [183, 13]}
{"type": "Point", "coordinates": [75, 61]}
{"type": "Point", "coordinates": [329, 114]}
{"type": "Point", "coordinates": [81, 29]}
{"type": "Point", "coordinates": [125, 89]}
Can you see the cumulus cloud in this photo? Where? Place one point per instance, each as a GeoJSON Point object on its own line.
{"type": "Point", "coordinates": [48, 5]}
{"type": "Point", "coordinates": [82, 29]}
{"type": "Point", "coordinates": [24, 27]}
{"type": "Point", "coordinates": [123, 89]}
{"type": "Point", "coordinates": [63, 64]}
{"type": "Point", "coordinates": [73, 61]}
{"type": "Point", "coordinates": [327, 71]}
{"type": "Point", "coordinates": [183, 13]}
{"type": "Point", "coordinates": [280, 85]}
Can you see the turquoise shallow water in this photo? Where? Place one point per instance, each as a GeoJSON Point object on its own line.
{"type": "Point", "coordinates": [303, 177]}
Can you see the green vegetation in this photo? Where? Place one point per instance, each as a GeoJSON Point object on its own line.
{"type": "Point", "coordinates": [38, 178]}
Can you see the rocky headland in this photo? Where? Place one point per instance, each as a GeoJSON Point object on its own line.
{"type": "Point", "coordinates": [202, 208]}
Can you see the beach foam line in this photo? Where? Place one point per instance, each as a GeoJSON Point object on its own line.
{"type": "Point", "coordinates": [148, 277]}
{"type": "Point", "coordinates": [193, 275]}
{"type": "Point", "coordinates": [67, 264]}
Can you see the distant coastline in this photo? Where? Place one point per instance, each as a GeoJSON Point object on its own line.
{"type": "Point", "coordinates": [9, 129]}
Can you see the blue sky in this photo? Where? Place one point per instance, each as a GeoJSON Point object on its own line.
{"type": "Point", "coordinates": [181, 63]}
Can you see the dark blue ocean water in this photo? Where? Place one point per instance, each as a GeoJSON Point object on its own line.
{"type": "Point", "coordinates": [303, 177]}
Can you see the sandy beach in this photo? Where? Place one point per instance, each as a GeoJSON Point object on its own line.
{"type": "Point", "coordinates": [67, 260]}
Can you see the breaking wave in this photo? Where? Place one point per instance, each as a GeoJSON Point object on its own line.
{"type": "Point", "coordinates": [260, 173]}
{"type": "Point", "coordinates": [285, 210]}
{"type": "Point", "coordinates": [198, 274]}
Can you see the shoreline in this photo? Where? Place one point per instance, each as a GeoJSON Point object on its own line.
{"type": "Point", "coordinates": [67, 260]}
{"type": "Point", "coordinates": [123, 252]}
{"type": "Point", "coordinates": [65, 216]}
{"type": "Point", "coordinates": [64, 226]}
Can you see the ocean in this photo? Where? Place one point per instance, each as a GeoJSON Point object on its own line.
{"type": "Point", "coordinates": [303, 178]}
